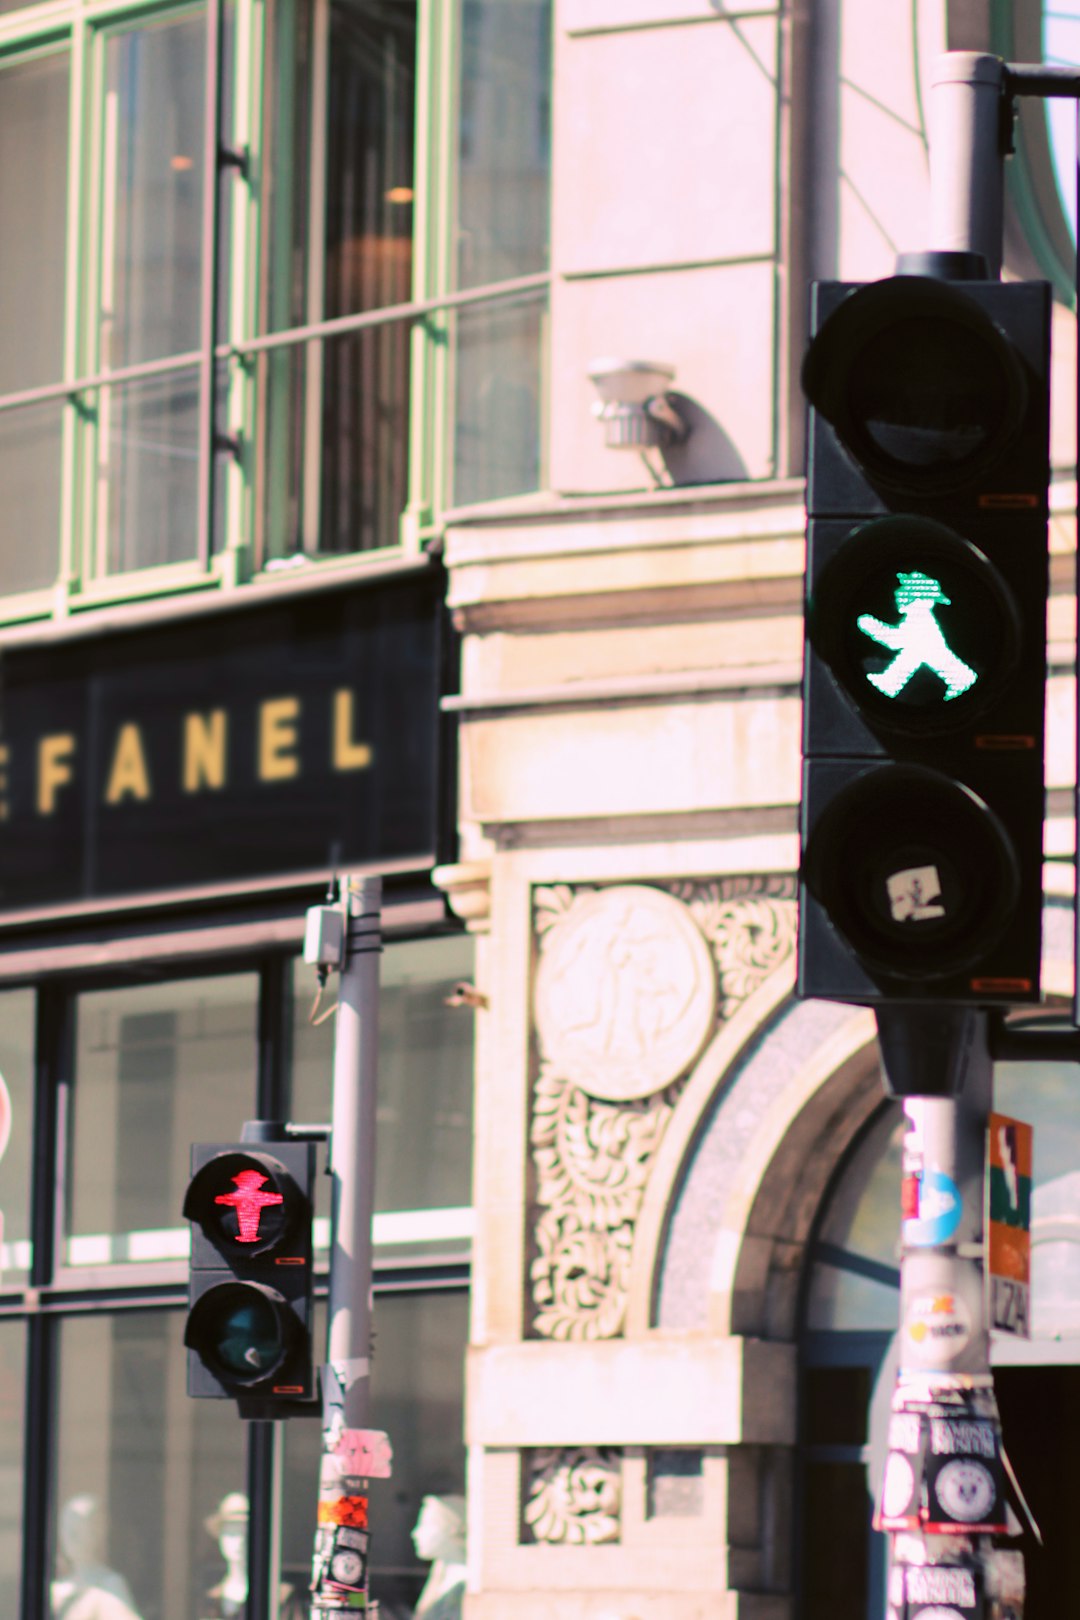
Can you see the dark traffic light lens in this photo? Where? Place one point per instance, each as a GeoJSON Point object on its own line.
{"type": "Point", "coordinates": [242, 1331]}
{"type": "Point", "coordinates": [930, 394]}
{"type": "Point", "coordinates": [915, 871]}
{"type": "Point", "coordinates": [248, 1338]}
{"type": "Point", "coordinates": [916, 625]}
{"type": "Point", "coordinates": [923, 389]}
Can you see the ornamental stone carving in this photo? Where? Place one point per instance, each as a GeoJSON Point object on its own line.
{"type": "Point", "coordinates": [610, 1070]}
{"type": "Point", "coordinates": [625, 992]}
{"type": "Point", "coordinates": [573, 1498]}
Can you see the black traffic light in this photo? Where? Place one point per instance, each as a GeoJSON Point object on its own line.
{"type": "Point", "coordinates": [925, 664]}
{"type": "Point", "coordinates": [249, 1326]}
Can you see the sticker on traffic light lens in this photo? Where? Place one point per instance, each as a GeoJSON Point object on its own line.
{"type": "Point", "coordinates": [914, 869]}
{"type": "Point", "coordinates": [916, 624]}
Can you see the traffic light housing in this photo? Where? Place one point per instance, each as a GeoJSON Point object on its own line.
{"type": "Point", "coordinates": [250, 1297]}
{"type": "Point", "coordinates": [925, 662]}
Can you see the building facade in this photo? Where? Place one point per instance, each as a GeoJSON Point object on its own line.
{"type": "Point", "coordinates": [315, 557]}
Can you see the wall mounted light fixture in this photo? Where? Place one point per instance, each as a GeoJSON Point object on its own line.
{"type": "Point", "coordinates": [634, 405]}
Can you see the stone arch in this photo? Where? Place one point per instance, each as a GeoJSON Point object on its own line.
{"type": "Point", "coordinates": [766, 1117]}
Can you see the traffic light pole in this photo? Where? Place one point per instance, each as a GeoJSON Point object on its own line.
{"type": "Point", "coordinates": [352, 1151]}
{"type": "Point", "coordinates": [942, 1496]}
{"type": "Point", "coordinates": [352, 1454]}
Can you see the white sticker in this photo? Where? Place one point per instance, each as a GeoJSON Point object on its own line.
{"type": "Point", "coordinates": [965, 1489]}
{"type": "Point", "coordinates": [937, 1327]}
{"type": "Point", "coordinates": [898, 1485]}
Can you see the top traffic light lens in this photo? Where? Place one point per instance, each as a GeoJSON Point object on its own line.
{"type": "Point", "coordinates": [922, 387]}
{"type": "Point", "coordinates": [245, 1202]}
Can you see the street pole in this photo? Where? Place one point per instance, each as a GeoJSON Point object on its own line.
{"type": "Point", "coordinates": [349, 938]}
{"type": "Point", "coordinates": [942, 1495]}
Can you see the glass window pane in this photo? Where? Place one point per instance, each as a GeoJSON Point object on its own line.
{"type": "Point", "coordinates": [417, 1378]}
{"type": "Point", "coordinates": [504, 151]}
{"type": "Point", "coordinates": [1047, 1096]}
{"type": "Point", "coordinates": [17, 1009]}
{"type": "Point", "coordinates": [157, 1067]}
{"type": "Point", "coordinates": [148, 473]}
{"type": "Point", "coordinates": [33, 199]}
{"type": "Point", "coordinates": [860, 1235]}
{"type": "Point", "coordinates": [423, 1157]}
{"type": "Point", "coordinates": [339, 242]}
{"type": "Point", "coordinates": [30, 444]}
{"type": "Point", "coordinates": [152, 190]}
{"type": "Point", "coordinates": [141, 1468]}
{"type": "Point", "coordinates": [12, 1394]}
{"type": "Point", "coordinates": [497, 434]}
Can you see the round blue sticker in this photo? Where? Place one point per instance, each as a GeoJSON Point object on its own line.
{"type": "Point", "coordinates": [939, 1214]}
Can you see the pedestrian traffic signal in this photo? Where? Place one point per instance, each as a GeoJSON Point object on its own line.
{"type": "Point", "coordinates": [925, 665]}
{"type": "Point", "coordinates": [249, 1327]}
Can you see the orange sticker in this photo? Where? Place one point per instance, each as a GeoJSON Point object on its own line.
{"type": "Point", "coordinates": [350, 1510]}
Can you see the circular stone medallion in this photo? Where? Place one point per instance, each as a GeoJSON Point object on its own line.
{"type": "Point", "coordinates": [625, 992]}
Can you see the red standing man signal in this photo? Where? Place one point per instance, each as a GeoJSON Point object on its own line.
{"type": "Point", "coordinates": [249, 1201]}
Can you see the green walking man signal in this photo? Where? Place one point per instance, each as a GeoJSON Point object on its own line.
{"type": "Point", "coordinates": [917, 640]}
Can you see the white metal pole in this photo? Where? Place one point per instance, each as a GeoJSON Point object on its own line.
{"type": "Point", "coordinates": [967, 163]}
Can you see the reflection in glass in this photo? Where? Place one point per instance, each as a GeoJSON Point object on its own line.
{"type": "Point", "coordinates": [12, 1384]}
{"type": "Point", "coordinates": [157, 1068]}
{"type": "Point", "coordinates": [17, 1009]}
{"type": "Point", "coordinates": [333, 454]}
{"type": "Point", "coordinates": [33, 118]}
{"type": "Point", "coordinates": [497, 426]}
{"type": "Point", "coordinates": [504, 152]}
{"type": "Point", "coordinates": [141, 1467]}
{"type": "Point", "coordinates": [148, 473]}
{"type": "Point", "coordinates": [855, 1282]}
{"type": "Point", "coordinates": [417, 1380]}
{"type": "Point", "coordinates": [857, 1247]}
{"type": "Point", "coordinates": [423, 1158]}
{"type": "Point", "coordinates": [150, 275]}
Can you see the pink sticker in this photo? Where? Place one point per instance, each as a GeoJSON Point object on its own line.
{"type": "Point", "coordinates": [365, 1453]}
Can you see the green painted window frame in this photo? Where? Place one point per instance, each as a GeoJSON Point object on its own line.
{"type": "Point", "coordinates": [81, 27]}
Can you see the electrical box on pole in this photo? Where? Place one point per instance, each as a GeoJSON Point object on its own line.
{"type": "Point", "coordinates": [925, 665]}
{"type": "Point", "coordinates": [249, 1327]}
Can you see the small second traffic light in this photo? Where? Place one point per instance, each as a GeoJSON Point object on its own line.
{"type": "Point", "coordinates": [249, 1326]}
{"type": "Point", "coordinates": [925, 666]}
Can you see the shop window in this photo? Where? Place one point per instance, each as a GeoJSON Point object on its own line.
{"type": "Point", "coordinates": [16, 1130]}
{"type": "Point", "coordinates": [12, 1466]}
{"type": "Point", "coordinates": [417, 1383]}
{"type": "Point", "coordinates": [141, 1468]}
{"type": "Point", "coordinates": [423, 1160]}
{"type": "Point", "coordinates": [156, 1068]}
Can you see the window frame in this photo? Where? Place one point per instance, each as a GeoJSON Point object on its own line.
{"type": "Point", "coordinates": [54, 1293]}
{"type": "Point", "coordinates": [227, 453]}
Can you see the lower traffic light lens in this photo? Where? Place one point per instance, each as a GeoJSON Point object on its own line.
{"type": "Point", "coordinates": [249, 1338]}
{"type": "Point", "coordinates": [241, 1331]}
{"type": "Point", "coordinates": [914, 870]}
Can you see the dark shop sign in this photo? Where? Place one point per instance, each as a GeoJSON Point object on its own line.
{"type": "Point", "coordinates": [234, 746]}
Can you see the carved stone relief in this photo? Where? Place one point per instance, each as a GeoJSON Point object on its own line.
{"type": "Point", "coordinates": [632, 982]}
{"type": "Point", "coordinates": [573, 1497]}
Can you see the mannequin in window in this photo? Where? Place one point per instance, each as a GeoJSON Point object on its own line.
{"type": "Point", "coordinates": [439, 1535]}
{"type": "Point", "coordinates": [89, 1589]}
{"type": "Point", "coordinates": [227, 1599]}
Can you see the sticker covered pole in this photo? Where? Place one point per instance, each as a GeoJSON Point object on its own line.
{"type": "Point", "coordinates": [349, 937]}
